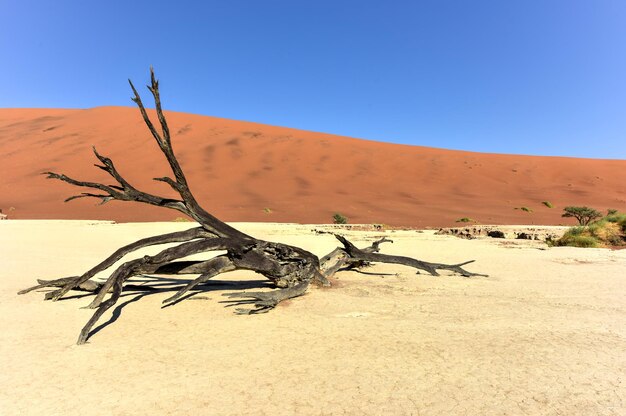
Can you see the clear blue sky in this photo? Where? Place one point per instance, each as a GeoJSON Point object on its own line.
{"type": "Point", "coordinates": [528, 77]}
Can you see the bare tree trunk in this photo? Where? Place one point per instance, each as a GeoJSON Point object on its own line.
{"type": "Point", "coordinates": [290, 269]}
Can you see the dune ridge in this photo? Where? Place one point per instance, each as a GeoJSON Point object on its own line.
{"type": "Point", "coordinates": [242, 171]}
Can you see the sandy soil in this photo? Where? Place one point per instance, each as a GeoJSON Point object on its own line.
{"type": "Point", "coordinates": [545, 334]}
{"type": "Point", "coordinates": [253, 172]}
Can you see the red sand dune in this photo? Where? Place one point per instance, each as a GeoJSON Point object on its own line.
{"type": "Point", "coordinates": [237, 170]}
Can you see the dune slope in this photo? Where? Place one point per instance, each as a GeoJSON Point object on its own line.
{"type": "Point", "coordinates": [244, 171]}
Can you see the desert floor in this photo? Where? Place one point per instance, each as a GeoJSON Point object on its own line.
{"type": "Point", "coordinates": [545, 334]}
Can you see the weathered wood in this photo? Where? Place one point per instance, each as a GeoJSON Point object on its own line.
{"type": "Point", "coordinates": [213, 267]}
{"type": "Point", "coordinates": [431, 268]}
{"type": "Point", "coordinates": [290, 269]}
{"type": "Point", "coordinates": [265, 301]}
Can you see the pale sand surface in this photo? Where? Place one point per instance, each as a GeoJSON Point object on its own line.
{"type": "Point", "coordinates": [545, 334]}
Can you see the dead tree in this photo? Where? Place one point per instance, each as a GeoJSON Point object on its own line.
{"type": "Point", "coordinates": [290, 269]}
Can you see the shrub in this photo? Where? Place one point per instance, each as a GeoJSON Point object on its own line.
{"type": "Point", "coordinates": [622, 222]}
{"type": "Point", "coordinates": [576, 230]}
{"type": "Point", "coordinates": [610, 212]}
{"type": "Point", "coordinates": [584, 241]}
{"type": "Point", "coordinates": [608, 231]}
{"type": "Point", "coordinates": [340, 219]}
{"type": "Point", "coordinates": [616, 217]}
{"type": "Point", "coordinates": [526, 209]}
{"type": "Point", "coordinates": [548, 204]}
{"type": "Point", "coordinates": [619, 219]}
{"type": "Point", "coordinates": [465, 219]}
{"type": "Point", "coordinates": [267, 210]}
{"type": "Point", "coordinates": [584, 215]}
{"type": "Point", "coordinates": [181, 219]}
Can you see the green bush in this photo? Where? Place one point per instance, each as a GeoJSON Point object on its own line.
{"type": "Point", "coordinates": [576, 230]}
{"type": "Point", "coordinates": [607, 231]}
{"type": "Point", "coordinates": [548, 204]}
{"type": "Point", "coordinates": [340, 219]}
{"type": "Point", "coordinates": [584, 241]}
{"type": "Point", "coordinates": [526, 209]}
{"type": "Point", "coordinates": [465, 219]}
{"type": "Point", "coordinates": [617, 217]}
{"type": "Point", "coordinates": [598, 225]}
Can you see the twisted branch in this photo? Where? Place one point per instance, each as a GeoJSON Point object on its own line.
{"type": "Point", "coordinates": [357, 254]}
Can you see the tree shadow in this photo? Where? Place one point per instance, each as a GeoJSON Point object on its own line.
{"type": "Point", "coordinates": [145, 285]}
{"type": "Point", "coordinates": [372, 273]}
{"type": "Point", "coordinates": [117, 312]}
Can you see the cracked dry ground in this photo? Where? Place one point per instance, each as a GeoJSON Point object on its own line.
{"type": "Point", "coordinates": [545, 334]}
